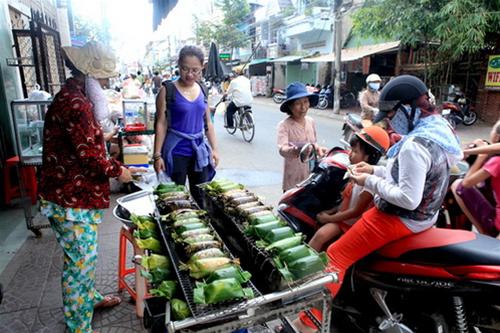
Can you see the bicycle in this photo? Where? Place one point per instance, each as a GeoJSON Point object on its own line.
{"type": "Point", "coordinates": [242, 120]}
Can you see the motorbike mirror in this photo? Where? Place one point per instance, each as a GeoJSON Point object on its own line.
{"type": "Point", "coordinates": [307, 153]}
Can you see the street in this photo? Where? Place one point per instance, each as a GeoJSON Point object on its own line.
{"type": "Point", "coordinates": [258, 164]}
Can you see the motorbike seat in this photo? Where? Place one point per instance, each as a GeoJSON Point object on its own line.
{"type": "Point", "coordinates": [355, 120]}
{"type": "Point", "coordinates": [445, 247]}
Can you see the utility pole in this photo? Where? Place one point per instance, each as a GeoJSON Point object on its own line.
{"type": "Point", "coordinates": [338, 52]}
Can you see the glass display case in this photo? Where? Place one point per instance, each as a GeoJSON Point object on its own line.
{"type": "Point", "coordinates": [138, 115]}
{"type": "Point", "coordinates": [28, 119]}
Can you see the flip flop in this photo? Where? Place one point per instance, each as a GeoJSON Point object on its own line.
{"type": "Point", "coordinates": [109, 301]}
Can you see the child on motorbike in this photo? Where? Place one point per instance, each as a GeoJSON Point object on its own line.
{"type": "Point", "coordinates": [295, 131]}
{"type": "Point", "coordinates": [480, 211]}
{"type": "Point", "coordinates": [368, 145]}
{"type": "Point", "coordinates": [409, 190]}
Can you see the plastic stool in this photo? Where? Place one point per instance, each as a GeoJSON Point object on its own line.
{"type": "Point", "coordinates": [28, 177]}
{"type": "Point", "coordinates": [140, 290]}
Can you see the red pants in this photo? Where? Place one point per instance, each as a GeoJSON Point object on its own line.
{"type": "Point", "coordinates": [371, 232]}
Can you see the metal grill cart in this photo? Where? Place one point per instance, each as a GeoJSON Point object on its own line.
{"type": "Point", "coordinates": [28, 118]}
{"type": "Point", "coordinates": [228, 317]}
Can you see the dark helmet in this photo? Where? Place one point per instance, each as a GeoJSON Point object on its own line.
{"type": "Point", "coordinates": [404, 89]}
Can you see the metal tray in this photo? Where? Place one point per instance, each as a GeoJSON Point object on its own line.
{"type": "Point", "coordinates": [138, 203]}
{"type": "Point", "coordinates": [186, 282]}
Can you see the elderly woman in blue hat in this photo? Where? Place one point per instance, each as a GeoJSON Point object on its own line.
{"type": "Point", "coordinates": [295, 131]}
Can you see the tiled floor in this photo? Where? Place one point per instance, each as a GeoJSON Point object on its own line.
{"type": "Point", "coordinates": [32, 300]}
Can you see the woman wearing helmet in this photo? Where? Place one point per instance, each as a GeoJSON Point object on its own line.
{"type": "Point", "coordinates": [409, 190]}
{"type": "Point", "coordinates": [368, 145]}
{"type": "Point", "coordinates": [368, 98]}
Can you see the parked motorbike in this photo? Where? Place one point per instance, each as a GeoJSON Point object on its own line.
{"type": "Point", "coordinates": [325, 95]}
{"type": "Point", "coordinates": [347, 98]}
{"type": "Point", "coordinates": [459, 110]}
{"type": "Point", "coordinates": [278, 95]}
{"type": "Point", "coordinates": [440, 280]}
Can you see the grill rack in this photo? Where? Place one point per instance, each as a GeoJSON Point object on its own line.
{"type": "Point", "coordinates": [186, 282]}
{"type": "Point", "coordinates": [254, 258]}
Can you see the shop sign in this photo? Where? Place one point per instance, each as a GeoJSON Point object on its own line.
{"type": "Point", "coordinates": [225, 56]}
{"type": "Point", "coordinates": [493, 72]}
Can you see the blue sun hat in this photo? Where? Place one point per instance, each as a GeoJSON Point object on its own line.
{"type": "Point", "coordinates": [296, 90]}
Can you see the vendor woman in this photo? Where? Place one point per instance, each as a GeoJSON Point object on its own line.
{"type": "Point", "coordinates": [74, 185]}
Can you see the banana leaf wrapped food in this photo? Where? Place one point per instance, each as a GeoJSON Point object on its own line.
{"type": "Point", "coordinates": [181, 214]}
{"type": "Point", "coordinates": [243, 200]}
{"type": "Point", "coordinates": [168, 187]}
{"type": "Point", "coordinates": [220, 291]}
{"type": "Point", "coordinates": [155, 261]}
{"type": "Point", "coordinates": [180, 309]}
{"type": "Point", "coordinates": [234, 194]}
{"type": "Point", "coordinates": [286, 243]}
{"type": "Point", "coordinates": [222, 186]}
{"type": "Point", "coordinates": [190, 220]}
{"type": "Point", "coordinates": [172, 205]}
{"type": "Point", "coordinates": [165, 289]}
{"type": "Point", "coordinates": [260, 230]}
{"type": "Point", "coordinates": [199, 268]}
{"type": "Point", "coordinates": [156, 275]}
{"type": "Point", "coordinates": [232, 271]}
{"type": "Point", "coordinates": [149, 244]}
{"type": "Point", "coordinates": [173, 196]}
{"type": "Point", "coordinates": [260, 213]}
{"type": "Point", "coordinates": [212, 252]}
{"type": "Point", "coordinates": [262, 218]}
{"type": "Point", "coordinates": [145, 233]}
{"type": "Point", "coordinates": [248, 205]}
{"type": "Point", "coordinates": [191, 226]}
{"type": "Point", "coordinates": [303, 267]}
{"type": "Point", "coordinates": [198, 238]}
{"type": "Point", "coordinates": [274, 235]}
{"type": "Point", "coordinates": [192, 248]}
{"type": "Point", "coordinates": [143, 222]}
{"type": "Point", "coordinates": [195, 232]}
{"type": "Point", "coordinates": [294, 253]}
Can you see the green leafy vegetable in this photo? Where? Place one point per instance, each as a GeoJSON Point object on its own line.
{"type": "Point", "coordinates": [180, 309]}
{"type": "Point", "coordinates": [149, 244]}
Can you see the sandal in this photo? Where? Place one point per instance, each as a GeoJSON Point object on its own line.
{"type": "Point", "coordinates": [109, 301]}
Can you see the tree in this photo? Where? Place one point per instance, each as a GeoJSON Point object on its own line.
{"type": "Point", "coordinates": [228, 34]}
{"type": "Point", "coordinates": [85, 29]}
{"type": "Point", "coordinates": [458, 27]}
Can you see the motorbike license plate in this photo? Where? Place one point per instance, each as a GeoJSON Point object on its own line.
{"type": "Point", "coordinates": [446, 111]}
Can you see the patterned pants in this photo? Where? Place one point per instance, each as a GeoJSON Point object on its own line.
{"type": "Point", "coordinates": [79, 243]}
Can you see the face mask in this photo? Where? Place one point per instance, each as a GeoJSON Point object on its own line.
{"type": "Point", "coordinates": [400, 122]}
{"type": "Point", "coordinates": [96, 95]}
{"type": "Point", "coordinates": [374, 86]}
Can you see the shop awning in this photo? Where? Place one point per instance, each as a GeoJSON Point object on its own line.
{"type": "Point", "coordinates": [259, 61]}
{"type": "Point", "coordinates": [356, 53]}
{"type": "Point", "coordinates": [287, 59]}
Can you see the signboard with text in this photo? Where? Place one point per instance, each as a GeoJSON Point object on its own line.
{"type": "Point", "coordinates": [493, 72]}
{"type": "Point", "coordinates": [225, 56]}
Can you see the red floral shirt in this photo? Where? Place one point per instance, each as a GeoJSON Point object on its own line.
{"type": "Point", "coordinates": [75, 171]}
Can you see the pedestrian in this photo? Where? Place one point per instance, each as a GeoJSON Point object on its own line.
{"type": "Point", "coordinates": [295, 131]}
{"type": "Point", "coordinates": [182, 128]}
{"type": "Point", "coordinates": [408, 190]}
{"type": "Point", "coordinates": [156, 82]}
{"type": "Point", "coordinates": [482, 213]}
{"type": "Point", "coordinates": [368, 98]}
{"type": "Point", "coordinates": [74, 184]}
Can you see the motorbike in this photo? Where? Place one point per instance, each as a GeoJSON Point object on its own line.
{"type": "Point", "coordinates": [278, 95]}
{"type": "Point", "coordinates": [440, 280]}
{"type": "Point", "coordinates": [459, 110]}
{"type": "Point", "coordinates": [325, 95]}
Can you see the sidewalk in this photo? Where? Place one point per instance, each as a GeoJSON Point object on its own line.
{"type": "Point", "coordinates": [32, 286]}
{"type": "Point", "coordinates": [466, 133]}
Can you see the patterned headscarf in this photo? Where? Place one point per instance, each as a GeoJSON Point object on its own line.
{"type": "Point", "coordinates": [435, 129]}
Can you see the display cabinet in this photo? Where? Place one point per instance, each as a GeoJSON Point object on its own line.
{"type": "Point", "coordinates": [28, 119]}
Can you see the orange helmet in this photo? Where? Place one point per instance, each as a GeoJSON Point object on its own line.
{"type": "Point", "coordinates": [376, 137]}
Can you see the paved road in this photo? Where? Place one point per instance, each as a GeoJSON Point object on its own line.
{"type": "Point", "coordinates": [258, 164]}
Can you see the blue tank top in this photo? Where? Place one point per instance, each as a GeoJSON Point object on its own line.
{"type": "Point", "coordinates": [187, 117]}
